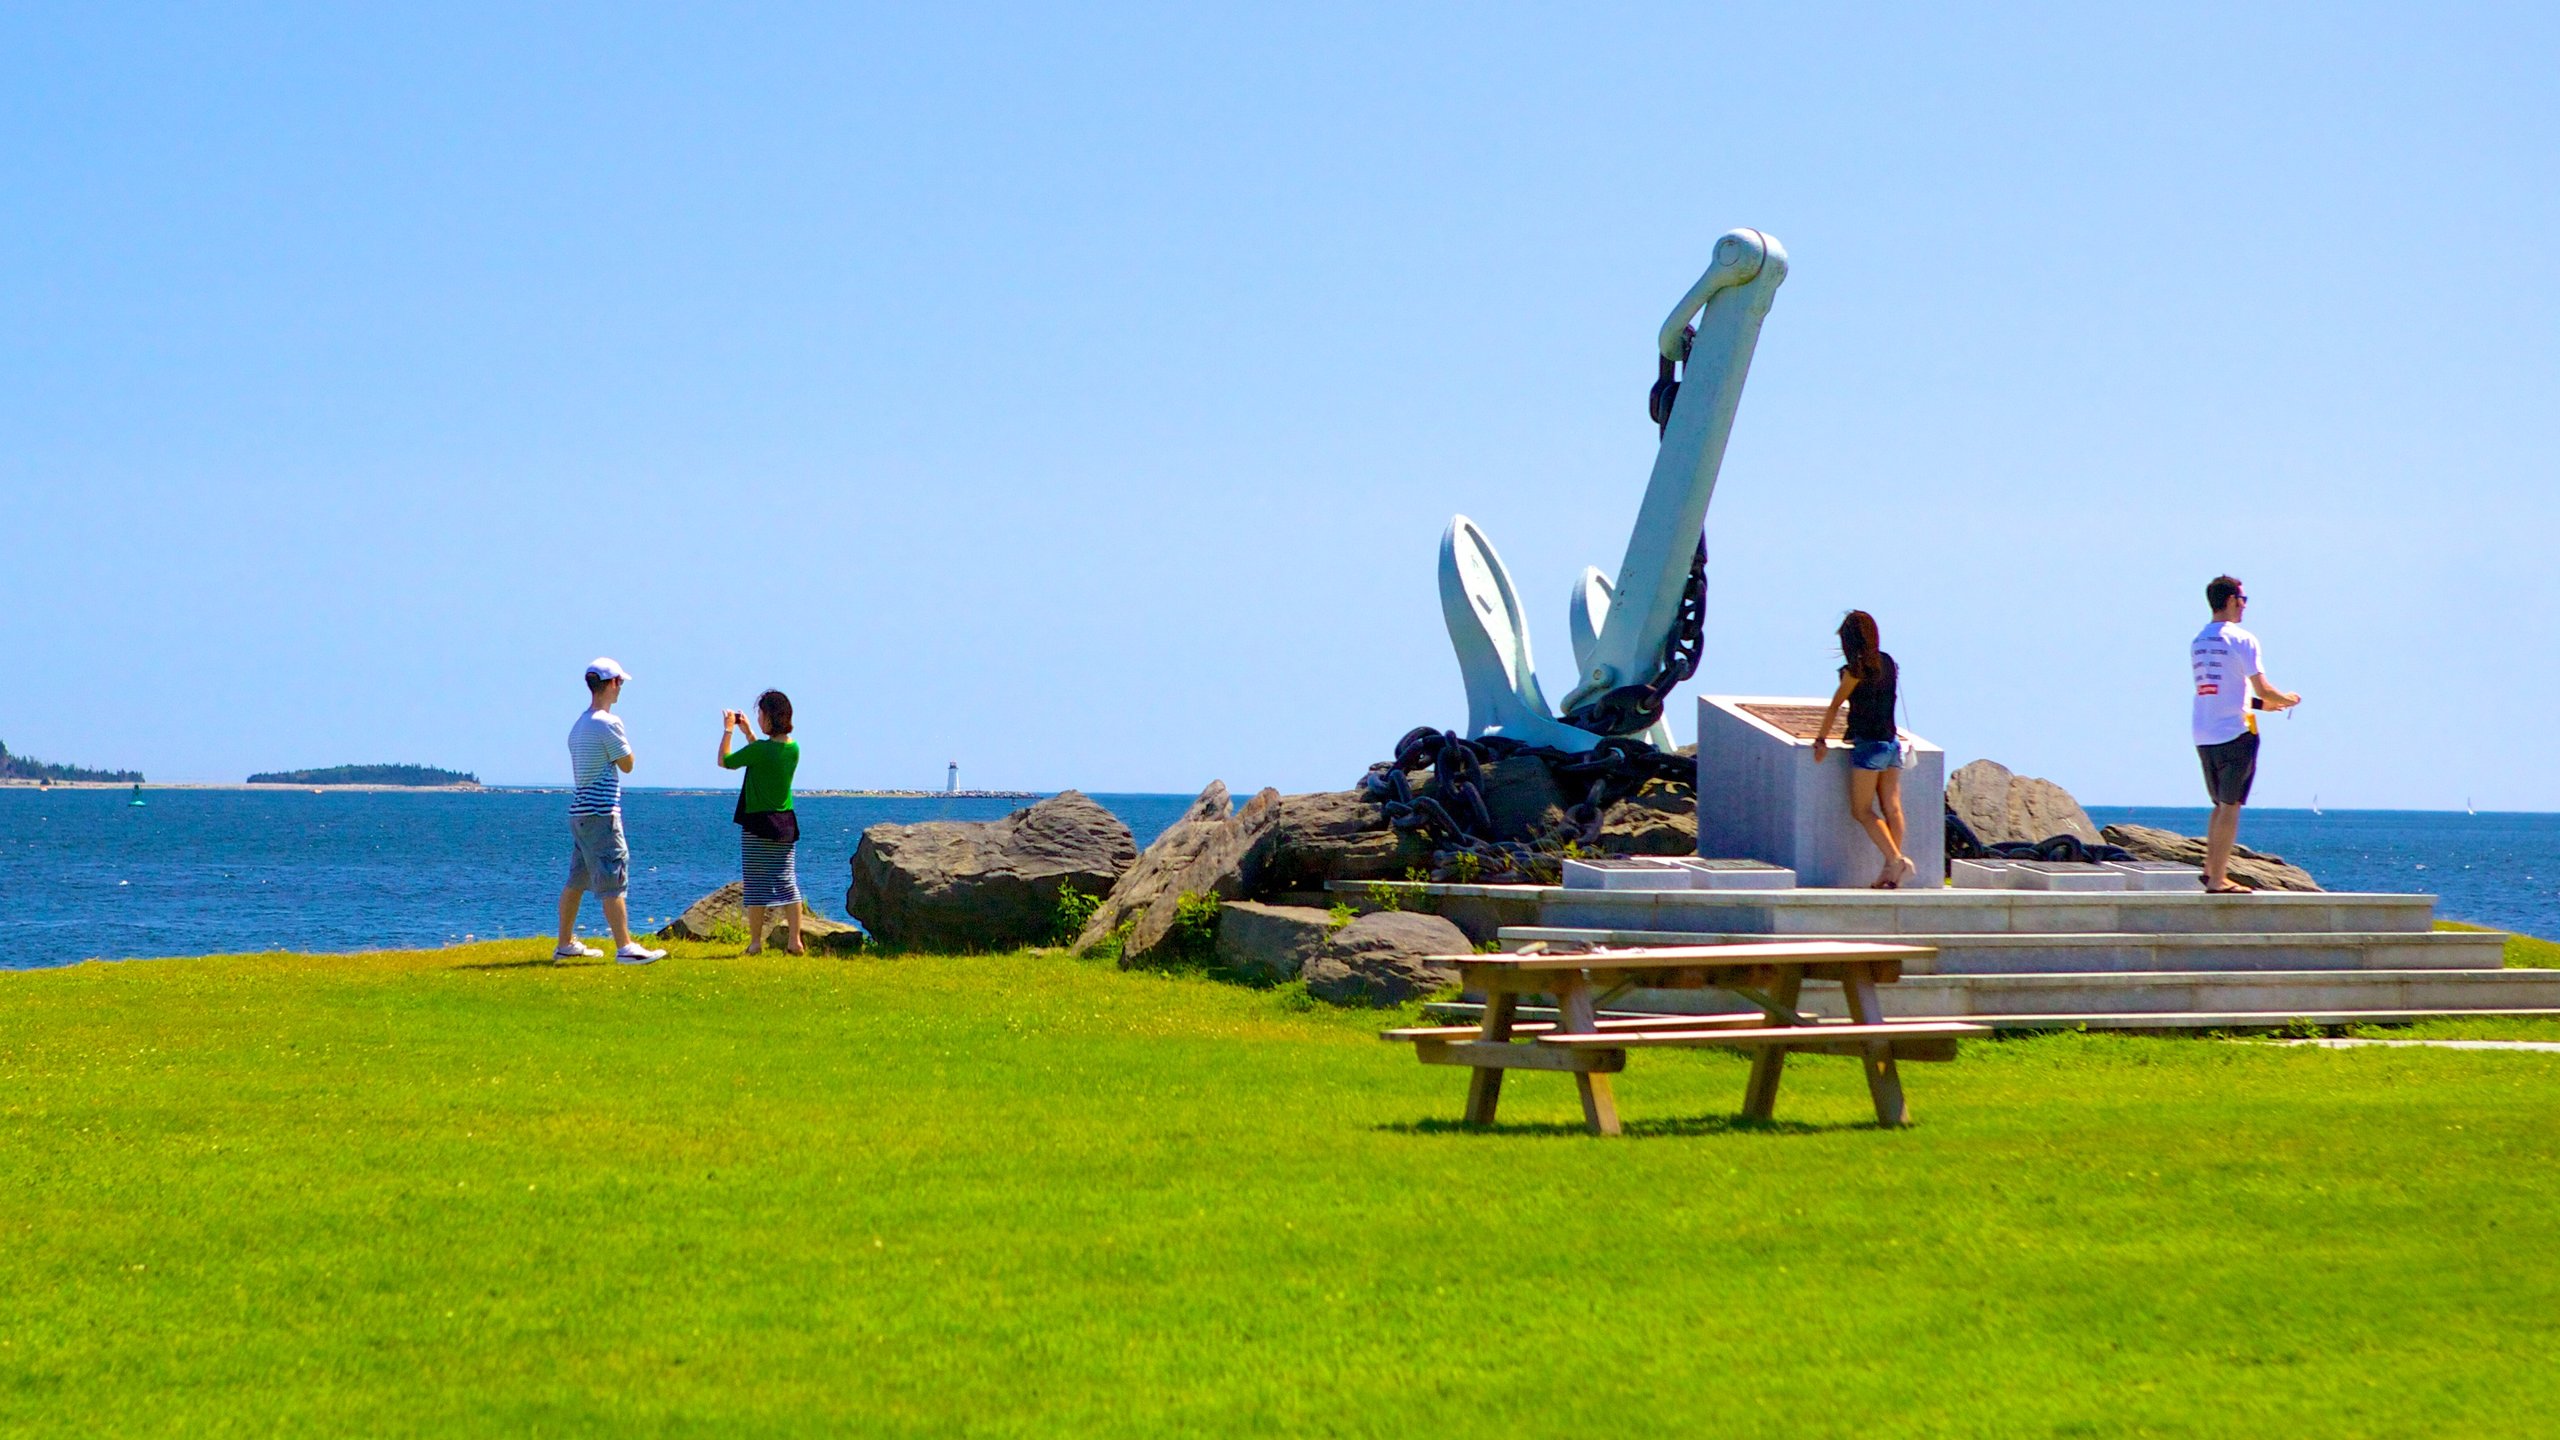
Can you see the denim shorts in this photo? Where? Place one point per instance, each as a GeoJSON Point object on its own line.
{"type": "Point", "coordinates": [1875, 754]}
{"type": "Point", "coordinates": [599, 858]}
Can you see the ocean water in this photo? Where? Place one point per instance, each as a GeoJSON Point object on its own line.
{"type": "Point", "coordinates": [84, 874]}
{"type": "Point", "coordinates": [201, 872]}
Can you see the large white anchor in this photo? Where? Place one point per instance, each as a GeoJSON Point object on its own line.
{"type": "Point", "coordinates": [1619, 631]}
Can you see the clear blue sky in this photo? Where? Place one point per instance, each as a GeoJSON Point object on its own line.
{"type": "Point", "coordinates": [1081, 393]}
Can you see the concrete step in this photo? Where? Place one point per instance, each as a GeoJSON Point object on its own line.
{"type": "Point", "coordinates": [1940, 911]}
{"type": "Point", "coordinates": [2271, 995]}
{"type": "Point", "coordinates": [2162, 1020]}
{"type": "Point", "coordinates": [1980, 954]}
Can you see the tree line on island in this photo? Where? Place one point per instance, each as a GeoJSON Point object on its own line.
{"type": "Point", "coordinates": [20, 767]}
{"type": "Point", "coordinates": [410, 775]}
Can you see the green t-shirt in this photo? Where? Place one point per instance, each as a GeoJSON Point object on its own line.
{"type": "Point", "coordinates": [769, 765]}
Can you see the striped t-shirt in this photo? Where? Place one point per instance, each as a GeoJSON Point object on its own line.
{"type": "Point", "coordinates": [595, 742]}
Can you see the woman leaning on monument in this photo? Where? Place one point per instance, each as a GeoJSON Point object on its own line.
{"type": "Point", "coordinates": [1869, 685]}
{"type": "Point", "coordinates": [768, 829]}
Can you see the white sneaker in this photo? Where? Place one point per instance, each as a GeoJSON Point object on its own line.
{"type": "Point", "coordinates": [636, 953]}
{"type": "Point", "coordinates": [575, 951]}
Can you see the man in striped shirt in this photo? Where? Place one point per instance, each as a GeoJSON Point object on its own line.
{"type": "Point", "coordinates": [599, 857]}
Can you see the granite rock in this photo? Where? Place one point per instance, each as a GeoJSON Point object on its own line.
{"type": "Point", "coordinates": [723, 911]}
{"type": "Point", "coordinates": [1269, 942]}
{"type": "Point", "coordinates": [1209, 851]}
{"type": "Point", "coordinates": [1333, 835]}
{"type": "Point", "coordinates": [2253, 868]}
{"type": "Point", "coordinates": [985, 885]}
{"type": "Point", "coordinates": [2002, 807]}
{"type": "Point", "coordinates": [1379, 959]}
{"type": "Point", "coordinates": [1654, 821]}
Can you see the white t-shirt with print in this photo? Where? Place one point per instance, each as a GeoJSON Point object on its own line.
{"type": "Point", "coordinates": [2223, 657]}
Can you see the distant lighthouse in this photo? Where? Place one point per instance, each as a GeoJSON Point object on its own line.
{"type": "Point", "coordinates": [951, 784]}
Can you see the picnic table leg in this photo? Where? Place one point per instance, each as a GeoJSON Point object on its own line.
{"type": "Point", "coordinates": [1582, 1017]}
{"type": "Point", "coordinates": [1484, 1089]}
{"type": "Point", "coordinates": [1884, 1082]}
{"type": "Point", "coordinates": [1760, 1098]}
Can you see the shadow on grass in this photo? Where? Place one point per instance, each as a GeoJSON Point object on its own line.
{"type": "Point", "coordinates": [1672, 1127]}
{"type": "Point", "coordinates": [543, 962]}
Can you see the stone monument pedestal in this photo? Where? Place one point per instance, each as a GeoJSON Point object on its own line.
{"type": "Point", "coordinates": [1762, 797]}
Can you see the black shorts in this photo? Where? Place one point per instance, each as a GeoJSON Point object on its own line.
{"type": "Point", "coordinates": [2230, 768]}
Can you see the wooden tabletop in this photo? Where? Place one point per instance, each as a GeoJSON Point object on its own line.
{"type": "Point", "coordinates": [1683, 957]}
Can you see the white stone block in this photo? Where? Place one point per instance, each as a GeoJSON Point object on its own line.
{"type": "Point", "coordinates": [2158, 875]}
{"type": "Point", "coordinates": [1706, 874]}
{"type": "Point", "coordinates": [2064, 875]}
{"type": "Point", "coordinates": [1625, 872]}
{"type": "Point", "coordinates": [1762, 797]}
{"type": "Point", "coordinates": [1978, 874]}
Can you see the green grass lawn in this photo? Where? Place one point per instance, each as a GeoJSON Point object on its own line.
{"type": "Point", "coordinates": [456, 1192]}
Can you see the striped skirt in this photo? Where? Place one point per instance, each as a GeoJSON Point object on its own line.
{"type": "Point", "coordinates": [770, 875]}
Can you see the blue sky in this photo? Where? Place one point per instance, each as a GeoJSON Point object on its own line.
{"type": "Point", "coordinates": [1081, 393]}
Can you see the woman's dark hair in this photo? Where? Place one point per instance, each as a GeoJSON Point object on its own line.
{"type": "Point", "coordinates": [775, 707]}
{"type": "Point", "coordinates": [1859, 646]}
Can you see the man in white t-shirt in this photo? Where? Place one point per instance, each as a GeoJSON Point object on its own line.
{"type": "Point", "coordinates": [599, 856]}
{"type": "Point", "coordinates": [2229, 673]}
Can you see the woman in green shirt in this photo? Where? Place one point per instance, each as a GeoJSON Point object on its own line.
{"type": "Point", "coordinates": [767, 828]}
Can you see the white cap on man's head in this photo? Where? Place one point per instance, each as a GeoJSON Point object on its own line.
{"type": "Point", "coordinates": [605, 667]}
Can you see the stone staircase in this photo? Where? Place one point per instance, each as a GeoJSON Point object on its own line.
{"type": "Point", "coordinates": [2028, 959]}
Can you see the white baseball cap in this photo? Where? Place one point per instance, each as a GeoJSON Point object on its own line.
{"type": "Point", "coordinates": [605, 667]}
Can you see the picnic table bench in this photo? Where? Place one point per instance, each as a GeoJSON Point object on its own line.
{"type": "Point", "coordinates": [1769, 975]}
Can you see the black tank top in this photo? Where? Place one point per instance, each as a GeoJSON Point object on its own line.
{"type": "Point", "coordinates": [1871, 704]}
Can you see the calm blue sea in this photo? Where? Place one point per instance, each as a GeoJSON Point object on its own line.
{"type": "Point", "coordinates": [206, 872]}
{"type": "Point", "coordinates": [200, 872]}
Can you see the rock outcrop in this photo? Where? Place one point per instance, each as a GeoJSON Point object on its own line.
{"type": "Point", "coordinates": [1654, 821]}
{"type": "Point", "coordinates": [1269, 943]}
{"type": "Point", "coordinates": [2002, 807]}
{"type": "Point", "coordinates": [1207, 852]}
{"type": "Point", "coordinates": [1378, 959]}
{"type": "Point", "coordinates": [723, 914]}
{"type": "Point", "coordinates": [1342, 835]}
{"type": "Point", "coordinates": [985, 885]}
{"type": "Point", "coordinates": [1334, 835]}
{"type": "Point", "coordinates": [2253, 868]}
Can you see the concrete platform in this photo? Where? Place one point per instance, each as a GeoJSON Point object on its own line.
{"type": "Point", "coordinates": [2038, 959]}
{"type": "Point", "coordinates": [1979, 954]}
{"type": "Point", "coordinates": [1459, 1011]}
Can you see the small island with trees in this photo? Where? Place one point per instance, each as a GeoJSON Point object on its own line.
{"type": "Point", "coordinates": [421, 777]}
{"type": "Point", "coordinates": [19, 767]}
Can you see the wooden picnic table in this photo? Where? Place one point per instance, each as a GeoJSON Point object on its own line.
{"type": "Point", "coordinates": [1769, 975]}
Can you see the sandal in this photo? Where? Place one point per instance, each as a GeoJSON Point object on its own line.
{"type": "Point", "coordinates": [2228, 889]}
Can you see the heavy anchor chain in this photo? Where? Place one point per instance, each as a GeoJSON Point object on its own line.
{"type": "Point", "coordinates": [1455, 820]}
{"type": "Point", "coordinates": [1630, 708]}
